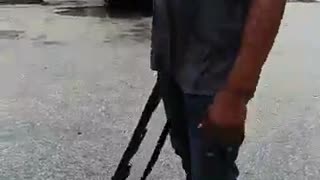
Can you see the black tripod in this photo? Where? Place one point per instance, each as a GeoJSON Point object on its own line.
{"type": "Point", "coordinates": [123, 169]}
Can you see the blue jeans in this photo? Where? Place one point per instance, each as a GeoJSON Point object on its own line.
{"type": "Point", "coordinates": [202, 159]}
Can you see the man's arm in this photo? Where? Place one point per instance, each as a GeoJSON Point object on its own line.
{"type": "Point", "coordinates": [260, 30]}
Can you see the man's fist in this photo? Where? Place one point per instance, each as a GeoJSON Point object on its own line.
{"type": "Point", "coordinates": [226, 117]}
{"type": "Point", "coordinates": [228, 110]}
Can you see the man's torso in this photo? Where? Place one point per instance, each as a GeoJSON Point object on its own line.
{"type": "Point", "coordinates": [197, 41]}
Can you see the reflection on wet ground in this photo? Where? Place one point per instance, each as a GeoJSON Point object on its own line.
{"type": "Point", "coordinates": [21, 2]}
{"type": "Point", "coordinates": [97, 11]}
{"type": "Point", "coordinates": [10, 34]}
{"type": "Point", "coordinates": [139, 31]}
{"type": "Point", "coordinates": [83, 11]}
{"type": "Point", "coordinates": [65, 2]}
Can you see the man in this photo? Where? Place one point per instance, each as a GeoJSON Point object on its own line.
{"type": "Point", "coordinates": [209, 55]}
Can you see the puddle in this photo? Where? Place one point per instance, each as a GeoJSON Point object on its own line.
{"type": "Point", "coordinates": [21, 1]}
{"type": "Point", "coordinates": [10, 34]}
{"type": "Point", "coordinates": [65, 3]}
{"type": "Point", "coordinates": [82, 11]}
{"type": "Point", "coordinates": [140, 32]}
{"type": "Point", "coordinates": [97, 11]}
{"type": "Point", "coordinates": [123, 14]}
{"type": "Point", "coordinates": [48, 43]}
{"type": "Point", "coordinates": [56, 43]}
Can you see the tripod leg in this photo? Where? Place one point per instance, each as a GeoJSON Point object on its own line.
{"type": "Point", "coordinates": [123, 169]}
{"type": "Point", "coordinates": [157, 150]}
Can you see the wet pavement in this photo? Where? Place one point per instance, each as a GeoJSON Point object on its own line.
{"type": "Point", "coordinates": [74, 80]}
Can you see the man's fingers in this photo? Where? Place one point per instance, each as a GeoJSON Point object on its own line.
{"type": "Point", "coordinates": [226, 135]}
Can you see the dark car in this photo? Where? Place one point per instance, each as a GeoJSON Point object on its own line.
{"type": "Point", "coordinates": [143, 6]}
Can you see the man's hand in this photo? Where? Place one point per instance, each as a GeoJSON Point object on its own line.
{"type": "Point", "coordinates": [226, 117]}
{"type": "Point", "coordinates": [228, 110]}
